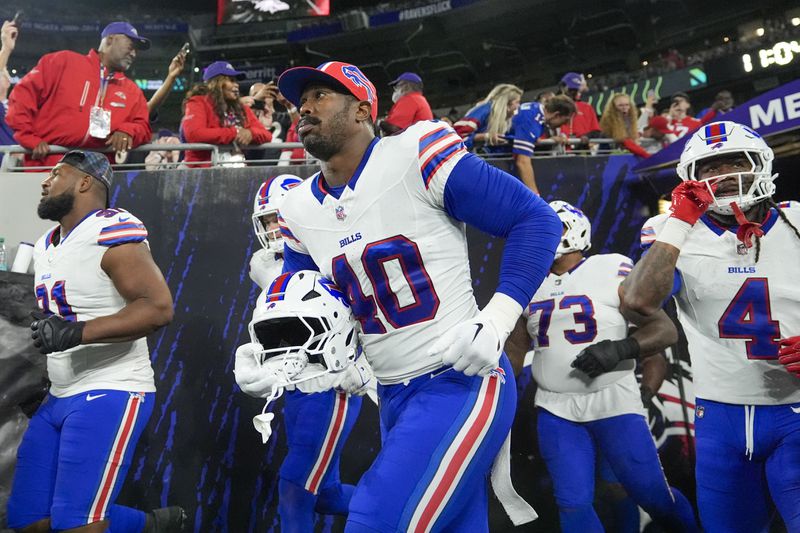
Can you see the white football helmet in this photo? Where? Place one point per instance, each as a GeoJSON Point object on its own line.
{"type": "Point", "coordinates": [305, 329]}
{"type": "Point", "coordinates": [267, 202]}
{"type": "Point", "coordinates": [578, 230]}
{"type": "Point", "coordinates": [725, 137]}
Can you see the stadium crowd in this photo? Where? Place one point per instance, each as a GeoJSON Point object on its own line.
{"type": "Point", "coordinates": [113, 113]}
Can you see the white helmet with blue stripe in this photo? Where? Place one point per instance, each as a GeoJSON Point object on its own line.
{"type": "Point", "coordinates": [304, 327]}
{"type": "Point", "coordinates": [727, 138]}
{"type": "Point", "coordinates": [577, 236]}
{"type": "Point", "coordinates": [268, 200]}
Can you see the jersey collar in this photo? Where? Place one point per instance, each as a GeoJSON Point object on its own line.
{"type": "Point", "coordinates": [719, 229]}
{"type": "Point", "coordinates": [320, 189]}
{"type": "Point", "coordinates": [90, 213]}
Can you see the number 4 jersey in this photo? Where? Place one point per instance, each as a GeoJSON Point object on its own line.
{"type": "Point", "coordinates": [389, 243]}
{"type": "Point", "coordinates": [734, 309]}
{"type": "Point", "coordinates": [70, 282]}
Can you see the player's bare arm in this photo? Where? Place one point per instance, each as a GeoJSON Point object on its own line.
{"type": "Point", "coordinates": [524, 166]}
{"type": "Point", "coordinates": [137, 278]}
{"type": "Point", "coordinates": [649, 283]}
{"type": "Point", "coordinates": [655, 331]}
{"type": "Point", "coordinates": [517, 345]}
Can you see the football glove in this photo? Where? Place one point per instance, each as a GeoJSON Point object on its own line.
{"type": "Point", "coordinates": [789, 354]}
{"type": "Point", "coordinates": [472, 347]}
{"type": "Point", "coordinates": [690, 200]}
{"type": "Point", "coordinates": [605, 356]}
{"type": "Point", "coordinates": [54, 334]}
{"type": "Point", "coordinates": [356, 377]}
{"type": "Point", "coordinates": [249, 376]}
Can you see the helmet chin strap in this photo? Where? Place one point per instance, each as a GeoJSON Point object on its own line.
{"type": "Point", "coordinates": [747, 229]}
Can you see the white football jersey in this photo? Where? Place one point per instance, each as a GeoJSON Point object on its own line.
{"type": "Point", "coordinates": [734, 309]}
{"type": "Point", "coordinates": [265, 266]}
{"type": "Point", "coordinates": [69, 282]}
{"type": "Point", "coordinates": [391, 246]}
{"type": "Point", "coordinates": [567, 314]}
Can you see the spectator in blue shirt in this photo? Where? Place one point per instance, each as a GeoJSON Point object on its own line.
{"type": "Point", "coordinates": [528, 125]}
{"type": "Point", "coordinates": [489, 121]}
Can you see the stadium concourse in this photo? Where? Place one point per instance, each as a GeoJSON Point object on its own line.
{"type": "Point", "coordinates": [281, 265]}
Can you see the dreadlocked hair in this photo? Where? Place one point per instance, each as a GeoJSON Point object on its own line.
{"type": "Point", "coordinates": [770, 202]}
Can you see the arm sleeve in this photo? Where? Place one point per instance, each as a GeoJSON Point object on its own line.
{"type": "Point", "coordinates": [195, 125]}
{"type": "Point", "coordinates": [261, 134]}
{"type": "Point", "coordinates": [122, 228]}
{"type": "Point", "coordinates": [294, 261]}
{"type": "Point", "coordinates": [497, 203]}
{"type": "Point", "coordinates": [402, 113]}
{"type": "Point", "coordinates": [635, 148]}
{"type": "Point", "coordinates": [28, 97]}
{"type": "Point", "coordinates": [138, 123]}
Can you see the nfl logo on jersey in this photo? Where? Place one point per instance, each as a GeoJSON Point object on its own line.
{"type": "Point", "coordinates": [340, 213]}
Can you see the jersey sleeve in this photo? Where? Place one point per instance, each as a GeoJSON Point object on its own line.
{"type": "Point", "coordinates": [290, 241]}
{"type": "Point", "coordinates": [439, 150]}
{"type": "Point", "coordinates": [472, 123]}
{"type": "Point", "coordinates": [117, 226]}
{"type": "Point", "coordinates": [526, 129]}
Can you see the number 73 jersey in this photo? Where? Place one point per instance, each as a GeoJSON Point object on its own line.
{"type": "Point", "coordinates": [734, 309]}
{"type": "Point", "coordinates": [389, 244]}
{"type": "Point", "coordinates": [572, 311]}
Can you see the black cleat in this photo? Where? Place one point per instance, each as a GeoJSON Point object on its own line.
{"type": "Point", "coordinates": [165, 520]}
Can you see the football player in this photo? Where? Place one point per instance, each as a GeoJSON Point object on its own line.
{"type": "Point", "coordinates": [727, 252]}
{"type": "Point", "coordinates": [100, 294]}
{"type": "Point", "coordinates": [315, 428]}
{"type": "Point", "coordinates": [588, 401]}
{"type": "Point", "coordinates": [385, 220]}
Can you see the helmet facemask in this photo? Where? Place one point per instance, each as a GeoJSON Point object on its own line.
{"type": "Point", "coordinates": [752, 186]}
{"type": "Point", "coordinates": [270, 239]}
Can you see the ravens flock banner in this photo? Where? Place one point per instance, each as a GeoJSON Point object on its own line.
{"type": "Point", "coordinates": [200, 450]}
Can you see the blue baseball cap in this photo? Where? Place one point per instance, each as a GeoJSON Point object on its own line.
{"type": "Point", "coordinates": [123, 28]}
{"type": "Point", "coordinates": [573, 80]}
{"type": "Point", "coordinates": [406, 76]}
{"type": "Point", "coordinates": [222, 68]}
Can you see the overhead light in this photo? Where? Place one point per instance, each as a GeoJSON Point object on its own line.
{"type": "Point", "coordinates": [589, 76]}
{"type": "Point", "coordinates": [760, 32]}
{"type": "Point", "coordinates": [197, 69]}
{"type": "Point", "coordinates": [726, 39]}
{"type": "Point", "coordinates": [795, 21]}
{"type": "Point", "coordinates": [644, 63]}
{"type": "Point", "coordinates": [13, 71]}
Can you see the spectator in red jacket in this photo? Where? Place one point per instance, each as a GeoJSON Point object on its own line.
{"type": "Point", "coordinates": [410, 106]}
{"type": "Point", "coordinates": [583, 123]}
{"type": "Point", "coordinates": [680, 122]}
{"type": "Point", "coordinates": [213, 114]}
{"type": "Point", "coordinates": [80, 101]}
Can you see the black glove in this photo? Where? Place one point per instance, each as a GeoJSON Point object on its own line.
{"type": "Point", "coordinates": [605, 356]}
{"type": "Point", "coordinates": [54, 334]}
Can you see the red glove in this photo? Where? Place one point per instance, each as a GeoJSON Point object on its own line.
{"type": "Point", "coordinates": [690, 200]}
{"type": "Point", "coordinates": [789, 354]}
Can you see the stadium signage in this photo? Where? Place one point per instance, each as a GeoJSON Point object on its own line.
{"type": "Point", "coordinates": [780, 54]}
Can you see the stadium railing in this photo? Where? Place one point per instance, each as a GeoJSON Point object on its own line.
{"type": "Point", "coordinates": [596, 147]}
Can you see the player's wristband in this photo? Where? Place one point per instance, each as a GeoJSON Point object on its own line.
{"type": "Point", "coordinates": [674, 232]}
{"type": "Point", "coordinates": [628, 348]}
{"type": "Point", "coordinates": [504, 312]}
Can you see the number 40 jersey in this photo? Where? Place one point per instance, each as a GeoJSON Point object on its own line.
{"type": "Point", "coordinates": [734, 309]}
{"type": "Point", "coordinates": [388, 242]}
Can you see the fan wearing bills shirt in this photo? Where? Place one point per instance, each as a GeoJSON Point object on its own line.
{"type": "Point", "coordinates": [385, 220]}
{"type": "Point", "coordinates": [99, 294]}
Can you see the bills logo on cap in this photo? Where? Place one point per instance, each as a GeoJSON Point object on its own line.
{"type": "Point", "coordinates": [353, 74]}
